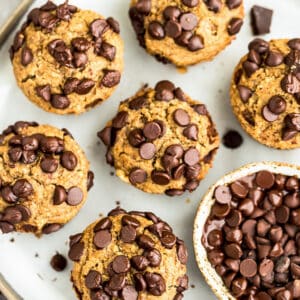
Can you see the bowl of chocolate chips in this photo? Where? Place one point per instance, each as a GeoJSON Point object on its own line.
{"type": "Point", "coordinates": [247, 233]}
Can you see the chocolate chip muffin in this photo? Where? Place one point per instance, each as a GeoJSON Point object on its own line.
{"type": "Point", "coordinates": [247, 233]}
{"type": "Point", "coordinates": [128, 256]}
{"type": "Point", "coordinates": [44, 178]}
{"type": "Point", "coordinates": [67, 60]}
{"type": "Point", "coordinates": [186, 32]}
{"type": "Point", "coordinates": [161, 141]}
{"type": "Point", "coordinates": [265, 92]}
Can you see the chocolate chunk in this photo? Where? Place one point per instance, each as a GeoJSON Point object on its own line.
{"type": "Point", "coordinates": [93, 280]}
{"type": "Point", "coordinates": [81, 44]}
{"type": "Point", "coordinates": [50, 228]}
{"type": "Point", "coordinates": [60, 101]}
{"type": "Point", "coordinates": [120, 120]}
{"type": "Point", "coordinates": [147, 151]}
{"type": "Point", "coordinates": [26, 56]}
{"type": "Point", "coordinates": [80, 59]}
{"type": "Point", "coordinates": [114, 24]}
{"type": "Point", "coordinates": [68, 160]}
{"type": "Point", "coordinates": [49, 164]}
{"type": "Point", "coordinates": [84, 86]}
{"type": "Point", "coordinates": [261, 19]}
{"type": "Point", "coordinates": [232, 139]}
{"type": "Point", "coordinates": [108, 51]}
{"type": "Point", "coordinates": [137, 175]}
{"type": "Point", "coordinates": [111, 78]}
{"type": "Point", "coordinates": [60, 195]}
{"type": "Point", "coordinates": [58, 262]}
{"type": "Point", "coordinates": [75, 196]}
{"type": "Point", "coordinates": [44, 92]}
{"type": "Point", "coordinates": [188, 21]}
{"type": "Point", "coordinates": [234, 26]}
{"type": "Point", "coordinates": [98, 27]}
{"type": "Point", "coordinates": [244, 92]}
{"type": "Point", "coordinates": [102, 239]}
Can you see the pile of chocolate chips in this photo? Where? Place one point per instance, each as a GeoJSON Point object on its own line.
{"type": "Point", "coordinates": [252, 236]}
{"type": "Point", "coordinates": [122, 266]}
{"type": "Point", "coordinates": [260, 56]}
{"type": "Point", "coordinates": [179, 25]}
{"type": "Point", "coordinates": [176, 161]}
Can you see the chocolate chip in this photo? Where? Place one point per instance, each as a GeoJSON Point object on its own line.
{"type": "Point", "coordinates": [294, 44]}
{"type": "Point", "coordinates": [160, 178]}
{"type": "Point", "coordinates": [6, 227]}
{"type": "Point", "coordinates": [93, 280]}
{"type": "Point", "coordinates": [168, 239]}
{"type": "Point", "coordinates": [277, 104]}
{"type": "Point", "coordinates": [75, 196]}
{"type": "Point", "coordinates": [138, 103]}
{"type": "Point", "coordinates": [232, 139]}
{"type": "Point", "coordinates": [234, 26]}
{"type": "Point", "coordinates": [128, 234]}
{"type": "Point", "coordinates": [214, 5]}
{"type": "Point", "coordinates": [145, 242]}
{"type": "Point", "coordinates": [7, 195]}
{"type": "Point", "coordinates": [103, 224]}
{"type": "Point", "coordinates": [60, 195]}
{"type": "Point", "coordinates": [171, 13]}
{"type": "Point", "coordinates": [188, 21]}
{"type": "Point", "coordinates": [81, 44]}
{"type": "Point", "coordinates": [26, 56]}
{"type": "Point", "coordinates": [108, 51]}
{"type": "Point", "coordinates": [68, 160]}
{"type": "Point", "coordinates": [143, 6]}
{"type": "Point", "coordinates": [50, 144]}
{"type": "Point", "coordinates": [244, 92]}
{"type": "Point", "coordinates": [184, 39]}
{"type": "Point", "coordinates": [114, 24]}
{"type": "Point", "coordinates": [155, 283]}
{"type": "Point", "coordinates": [111, 78]}
{"type": "Point", "coordinates": [58, 262]}
{"type": "Point", "coordinates": [190, 3]}
{"type": "Point", "coordinates": [156, 30]}
{"type": "Point", "coordinates": [191, 156]}
{"type": "Point", "coordinates": [15, 154]}
{"type": "Point", "coordinates": [117, 282]}
{"type": "Point", "coordinates": [76, 251]}
{"type": "Point", "coordinates": [120, 120]}
{"type": "Point", "coordinates": [102, 239]}
{"type": "Point", "coordinates": [128, 220]}
{"type": "Point", "coordinates": [136, 137]}
{"type": "Point", "coordinates": [22, 188]}
{"type": "Point", "coordinates": [152, 130]}
{"type": "Point", "coordinates": [25, 211]}
{"type": "Point", "coordinates": [84, 86]}
{"type": "Point", "coordinates": [261, 19]}
{"type": "Point", "coordinates": [49, 164]}
{"type": "Point", "coordinates": [140, 283]}
{"type": "Point", "coordinates": [173, 29]}
{"type": "Point", "coordinates": [223, 194]}
{"type": "Point", "coordinates": [50, 228]}
{"type": "Point", "coordinates": [274, 59]}
{"type": "Point", "coordinates": [265, 179]}
{"type": "Point", "coordinates": [12, 215]}
{"type": "Point", "coordinates": [59, 101]}
{"type": "Point", "coordinates": [80, 59]}
{"type": "Point", "coordinates": [164, 90]}
{"type": "Point", "coordinates": [137, 175]}
{"type": "Point", "coordinates": [44, 92]}
{"type": "Point", "coordinates": [290, 84]}
{"type": "Point", "coordinates": [250, 67]}
{"type": "Point", "coordinates": [232, 4]}
{"type": "Point", "coordinates": [268, 114]}
{"type": "Point", "coordinates": [121, 264]}
{"type": "Point", "coordinates": [147, 151]}
{"type": "Point", "coordinates": [153, 256]}
{"type": "Point", "coordinates": [98, 27]}
{"type": "Point", "coordinates": [195, 43]}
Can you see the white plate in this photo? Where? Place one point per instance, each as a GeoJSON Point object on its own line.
{"type": "Point", "coordinates": [32, 276]}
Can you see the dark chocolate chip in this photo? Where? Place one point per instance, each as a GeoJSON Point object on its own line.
{"type": "Point", "coordinates": [190, 3]}
{"type": "Point", "coordinates": [234, 26]}
{"type": "Point", "coordinates": [232, 139]}
{"type": "Point", "coordinates": [60, 101]}
{"type": "Point", "coordinates": [102, 239]}
{"type": "Point", "coordinates": [111, 78]}
{"type": "Point", "coordinates": [58, 262]}
{"type": "Point", "coordinates": [22, 188]}
{"type": "Point", "coordinates": [68, 160]}
{"type": "Point", "coordinates": [98, 27]}
{"type": "Point", "coordinates": [137, 175]}
{"type": "Point", "coordinates": [76, 251]}
{"type": "Point", "coordinates": [44, 91]}
{"type": "Point", "coordinates": [49, 164]}
{"type": "Point", "coordinates": [50, 228]}
{"type": "Point", "coordinates": [26, 56]}
{"type": "Point", "coordinates": [60, 195]}
{"type": "Point", "coordinates": [114, 24]}
{"type": "Point", "coordinates": [93, 280]}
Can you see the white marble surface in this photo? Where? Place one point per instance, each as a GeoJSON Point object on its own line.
{"type": "Point", "coordinates": [32, 276]}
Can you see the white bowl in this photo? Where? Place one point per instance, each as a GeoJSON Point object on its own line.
{"type": "Point", "coordinates": [212, 278]}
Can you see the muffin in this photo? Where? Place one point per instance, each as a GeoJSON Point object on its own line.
{"type": "Point", "coordinates": [67, 60]}
{"type": "Point", "coordinates": [128, 256]}
{"type": "Point", "coordinates": [265, 92]}
{"type": "Point", "coordinates": [246, 233]}
{"type": "Point", "coordinates": [44, 178]}
{"type": "Point", "coordinates": [186, 32]}
{"type": "Point", "coordinates": [161, 141]}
